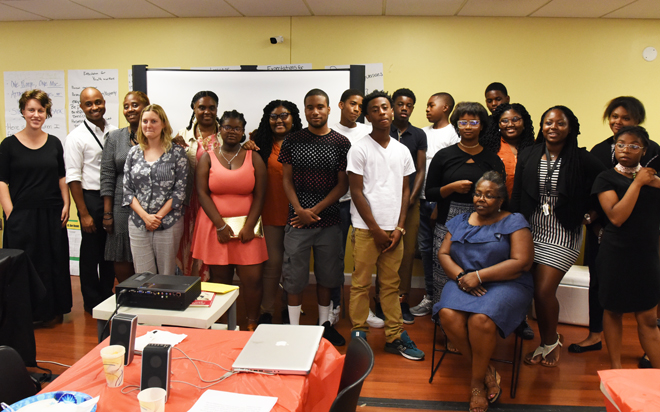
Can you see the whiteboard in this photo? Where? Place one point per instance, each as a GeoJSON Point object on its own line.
{"type": "Point", "coordinates": [246, 91]}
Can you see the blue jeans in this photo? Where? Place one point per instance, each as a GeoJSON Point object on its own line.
{"type": "Point", "coordinates": [425, 242]}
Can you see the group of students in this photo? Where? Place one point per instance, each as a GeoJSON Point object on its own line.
{"type": "Point", "coordinates": [194, 204]}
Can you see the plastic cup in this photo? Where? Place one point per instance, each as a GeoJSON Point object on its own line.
{"type": "Point", "coordinates": [113, 365]}
{"type": "Point", "coordinates": [152, 400]}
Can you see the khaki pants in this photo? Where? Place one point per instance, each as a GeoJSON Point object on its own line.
{"type": "Point", "coordinates": [365, 256]}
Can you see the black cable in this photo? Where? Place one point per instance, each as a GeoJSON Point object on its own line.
{"type": "Point", "coordinates": [118, 302]}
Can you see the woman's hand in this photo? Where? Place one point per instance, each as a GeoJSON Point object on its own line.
{"type": "Point", "coordinates": [246, 234]}
{"type": "Point", "coordinates": [250, 145]}
{"type": "Point", "coordinates": [462, 186]}
{"type": "Point", "coordinates": [470, 284]}
{"type": "Point", "coordinates": [152, 222]}
{"type": "Point", "coordinates": [64, 217]}
{"type": "Point", "coordinates": [645, 176]}
{"type": "Point", "coordinates": [179, 141]}
{"type": "Point", "coordinates": [108, 224]}
{"type": "Point", "coordinates": [225, 234]}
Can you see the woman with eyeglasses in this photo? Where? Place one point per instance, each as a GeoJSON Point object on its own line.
{"type": "Point", "coordinates": [620, 112]}
{"type": "Point", "coordinates": [487, 255]}
{"type": "Point", "coordinates": [280, 117]}
{"type": "Point", "coordinates": [231, 185]}
{"type": "Point", "coordinates": [552, 190]}
{"type": "Point", "coordinates": [628, 264]}
{"type": "Point", "coordinates": [512, 130]}
{"type": "Point", "coordinates": [452, 174]}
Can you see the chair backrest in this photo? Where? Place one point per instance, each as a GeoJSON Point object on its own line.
{"type": "Point", "coordinates": [358, 363]}
{"type": "Point", "coordinates": [15, 381]}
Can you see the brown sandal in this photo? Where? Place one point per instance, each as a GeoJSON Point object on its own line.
{"type": "Point", "coordinates": [478, 401]}
{"type": "Point", "coordinates": [492, 381]}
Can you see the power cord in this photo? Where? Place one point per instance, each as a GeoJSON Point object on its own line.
{"type": "Point", "coordinates": [119, 303]}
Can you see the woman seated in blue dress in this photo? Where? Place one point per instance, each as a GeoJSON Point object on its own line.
{"type": "Point", "coordinates": [487, 255]}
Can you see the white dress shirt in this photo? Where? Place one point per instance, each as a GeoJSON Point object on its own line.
{"type": "Point", "coordinates": [82, 154]}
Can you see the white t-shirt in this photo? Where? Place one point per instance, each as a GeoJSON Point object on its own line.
{"type": "Point", "coordinates": [353, 135]}
{"type": "Point", "coordinates": [437, 139]}
{"type": "Point", "coordinates": [383, 170]}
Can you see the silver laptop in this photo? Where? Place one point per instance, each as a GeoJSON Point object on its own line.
{"type": "Point", "coordinates": [282, 349]}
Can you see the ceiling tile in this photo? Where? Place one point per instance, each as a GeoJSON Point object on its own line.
{"type": "Point", "coordinates": [8, 13]}
{"type": "Point", "coordinates": [257, 8]}
{"type": "Point", "coordinates": [641, 9]}
{"type": "Point", "coordinates": [56, 9]}
{"type": "Point", "coordinates": [582, 8]}
{"type": "Point", "coordinates": [346, 7]}
{"type": "Point", "coordinates": [423, 7]}
{"type": "Point", "coordinates": [197, 8]}
{"type": "Point", "coordinates": [125, 9]}
{"type": "Point", "coordinates": [501, 8]}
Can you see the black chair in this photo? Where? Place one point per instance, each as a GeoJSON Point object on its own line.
{"type": "Point", "coordinates": [515, 361]}
{"type": "Point", "coordinates": [15, 381]}
{"type": "Point", "coordinates": [358, 364]}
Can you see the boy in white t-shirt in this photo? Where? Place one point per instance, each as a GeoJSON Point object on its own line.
{"type": "Point", "coordinates": [378, 168]}
{"type": "Point", "coordinates": [439, 134]}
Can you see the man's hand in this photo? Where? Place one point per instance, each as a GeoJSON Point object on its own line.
{"type": "Point", "coordinates": [87, 223]}
{"type": "Point", "coordinates": [304, 217]}
{"type": "Point", "coordinates": [381, 239]}
{"type": "Point", "coordinates": [395, 238]}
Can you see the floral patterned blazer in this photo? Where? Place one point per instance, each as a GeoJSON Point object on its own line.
{"type": "Point", "coordinates": [154, 184]}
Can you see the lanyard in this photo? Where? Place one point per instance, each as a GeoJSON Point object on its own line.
{"type": "Point", "coordinates": [93, 134]}
{"type": "Point", "coordinates": [551, 170]}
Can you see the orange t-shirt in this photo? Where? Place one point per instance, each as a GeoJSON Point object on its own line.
{"type": "Point", "coordinates": [509, 159]}
{"type": "Point", "coordinates": [276, 206]}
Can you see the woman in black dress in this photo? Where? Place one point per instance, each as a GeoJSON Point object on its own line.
{"type": "Point", "coordinates": [552, 190]}
{"type": "Point", "coordinates": [452, 174]}
{"type": "Point", "coordinates": [35, 200]}
{"type": "Point", "coordinates": [628, 264]}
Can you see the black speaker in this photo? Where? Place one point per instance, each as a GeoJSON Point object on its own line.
{"type": "Point", "coordinates": [156, 360]}
{"type": "Point", "coordinates": [122, 332]}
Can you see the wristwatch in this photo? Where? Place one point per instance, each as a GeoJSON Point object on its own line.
{"type": "Point", "coordinates": [587, 217]}
{"type": "Point", "coordinates": [400, 229]}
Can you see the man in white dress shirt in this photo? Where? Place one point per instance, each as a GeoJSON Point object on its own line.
{"type": "Point", "coordinates": [82, 155]}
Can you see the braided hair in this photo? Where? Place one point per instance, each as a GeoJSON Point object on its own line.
{"type": "Point", "coordinates": [196, 97]}
{"type": "Point", "coordinates": [263, 137]}
{"type": "Point", "coordinates": [233, 114]}
{"type": "Point", "coordinates": [569, 153]}
{"type": "Point", "coordinates": [492, 140]}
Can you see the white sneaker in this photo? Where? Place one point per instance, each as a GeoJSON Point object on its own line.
{"type": "Point", "coordinates": [423, 308]}
{"type": "Point", "coordinates": [333, 316]}
{"type": "Point", "coordinates": [374, 321]}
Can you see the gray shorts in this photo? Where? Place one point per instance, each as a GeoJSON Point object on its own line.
{"type": "Point", "coordinates": [326, 245]}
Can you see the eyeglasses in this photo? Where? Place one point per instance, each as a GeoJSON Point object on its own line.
{"type": "Point", "coordinates": [235, 129]}
{"type": "Point", "coordinates": [281, 116]}
{"type": "Point", "coordinates": [631, 147]}
{"type": "Point", "coordinates": [462, 124]}
{"type": "Point", "coordinates": [513, 120]}
{"type": "Point", "coordinates": [486, 196]}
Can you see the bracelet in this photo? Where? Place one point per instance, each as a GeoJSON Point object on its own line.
{"type": "Point", "coordinates": [107, 213]}
{"type": "Point", "coordinates": [460, 275]}
{"type": "Point", "coordinates": [479, 277]}
{"type": "Point", "coordinates": [220, 229]}
{"type": "Point", "coordinates": [108, 218]}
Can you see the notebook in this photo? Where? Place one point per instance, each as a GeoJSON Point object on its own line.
{"type": "Point", "coordinates": [281, 349]}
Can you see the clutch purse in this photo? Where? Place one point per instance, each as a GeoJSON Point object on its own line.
{"type": "Point", "coordinates": [237, 223]}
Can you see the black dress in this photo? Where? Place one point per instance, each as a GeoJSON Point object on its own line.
{"type": "Point", "coordinates": [628, 264]}
{"type": "Point", "coordinates": [34, 224]}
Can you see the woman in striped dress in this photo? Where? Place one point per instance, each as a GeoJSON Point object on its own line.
{"type": "Point", "coordinates": [552, 190]}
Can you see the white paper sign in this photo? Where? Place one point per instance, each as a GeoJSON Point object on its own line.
{"type": "Point", "coordinates": [374, 78]}
{"type": "Point", "coordinates": [52, 82]}
{"type": "Point", "coordinates": [106, 81]}
{"type": "Point", "coordinates": [217, 68]}
{"type": "Point", "coordinates": [130, 80]}
{"type": "Point", "coordinates": [303, 66]}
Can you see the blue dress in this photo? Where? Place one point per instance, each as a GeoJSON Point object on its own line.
{"type": "Point", "coordinates": [478, 247]}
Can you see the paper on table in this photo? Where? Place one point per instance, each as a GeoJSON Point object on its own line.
{"type": "Point", "coordinates": [157, 336]}
{"type": "Point", "coordinates": [217, 287]}
{"type": "Point", "coordinates": [219, 401]}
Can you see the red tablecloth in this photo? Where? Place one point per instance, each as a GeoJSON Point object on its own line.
{"type": "Point", "coordinates": [632, 390]}
{"type": "Point", "coordinates": [312, 393]}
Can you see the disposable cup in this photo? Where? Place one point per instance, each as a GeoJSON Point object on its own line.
{"type": "Point", "coordinates": [152, 400]}
{"type": "Point", "coordinates": [113, 364]}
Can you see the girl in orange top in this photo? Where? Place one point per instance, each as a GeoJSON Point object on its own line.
{"type": "Point", "coordinates": [511, 131]}
{"type": "Point", "coordinates": [280, 118]}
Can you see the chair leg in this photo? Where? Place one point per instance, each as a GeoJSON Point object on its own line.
{"type": "Point", "coordinates": [434, 368]}
{"type": "Point", "coordinates": [517, 360]}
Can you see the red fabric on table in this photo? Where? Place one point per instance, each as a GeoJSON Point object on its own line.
{"type": "Point", "coordinates": [312, 393]}
{"type": "Point", "coordinates": [633, 390]}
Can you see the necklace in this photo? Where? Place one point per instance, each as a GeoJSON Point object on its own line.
{"type": "Point", "coordinates": [205, 140]}
{"type": "Point", "coordinates": [628, 170]}
{"type": "Point", "coordinates": [468, 147]}
{"type": "Point", "coordinates": [230, 160]}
